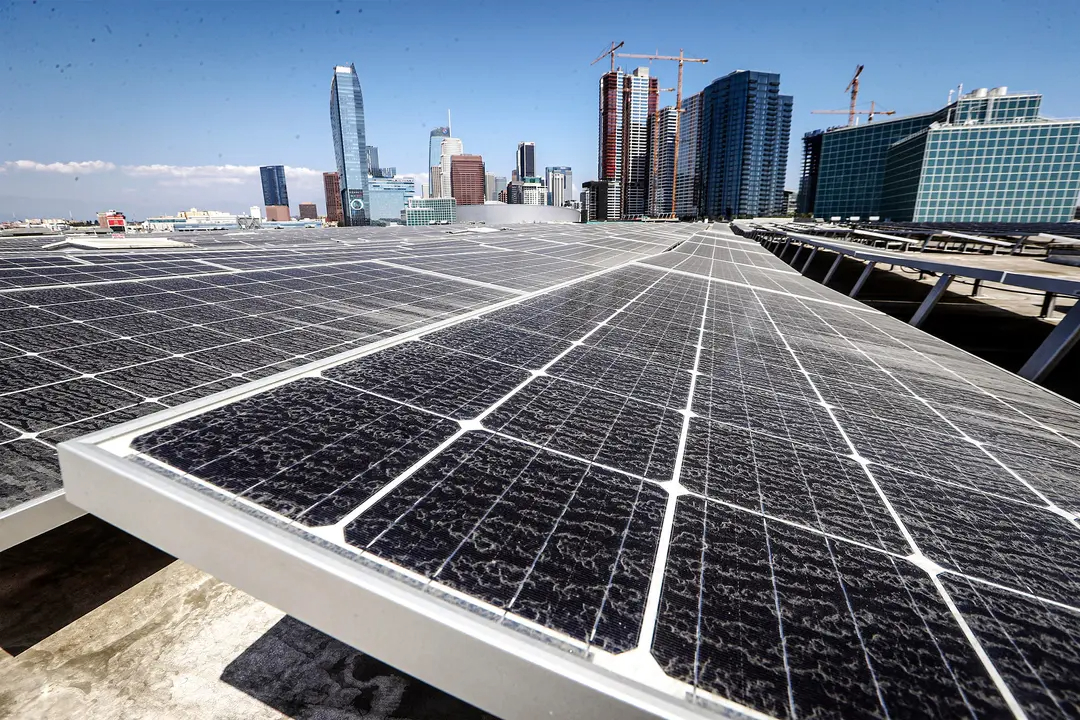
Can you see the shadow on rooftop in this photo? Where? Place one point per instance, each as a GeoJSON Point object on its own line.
{"type": "Point", "coordinates": [306, 674]}
{"type": "Point", "coordinates": [54, 579]}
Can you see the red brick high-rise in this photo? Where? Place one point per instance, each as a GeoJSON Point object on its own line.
{"type": "Point", "coordinates": [332, 187]}
{"type": "Point", "coordinates": [467, 179]}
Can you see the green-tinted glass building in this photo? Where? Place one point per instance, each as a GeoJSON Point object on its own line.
{"type": "Point", "coordinates": [989, 157]}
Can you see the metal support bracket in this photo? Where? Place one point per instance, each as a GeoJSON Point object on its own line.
{"type": "Point", "coordinates": [832, 269]}
{"type": "Point", "coordinates": [795, 257]}
{"type": "Point", "coordinates": [976, 288]}
{"type": "Point", "coordinates": [1049, 304]}
{"type": "Point", "coordinates": [931, 300]}
{"type": "Point", "coordinates": [1056, 345]}
{"type": "Point", "coordinates": [862, 279]}
{"type": "Point", "coordinates": [806, 265]}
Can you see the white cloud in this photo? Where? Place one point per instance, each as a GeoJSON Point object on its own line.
{"type": "Point", "coordinates": [193, 175]}
{"type": "Point", "coordinates": [66, 168]}
{"type": "Point", "coordinates": [170, 175]}
{"type": "Point", "coordinates": [418, 178]}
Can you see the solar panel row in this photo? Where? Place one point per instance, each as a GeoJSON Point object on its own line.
{"type": "Point", "coordinates": [88, 340]}
{"type": "Point", "coordinates": [734, 492]}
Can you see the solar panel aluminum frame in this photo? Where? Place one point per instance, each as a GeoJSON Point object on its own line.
{"type": "Point", "coordinates": [481, 662]}
{"type": "Point", "coordinates": [34, 517]}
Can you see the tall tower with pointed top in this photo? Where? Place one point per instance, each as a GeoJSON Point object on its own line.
{"type": "Point", "coordinates": [350, 146]}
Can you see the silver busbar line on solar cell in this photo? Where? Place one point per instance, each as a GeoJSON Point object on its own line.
{"type": "Point", "coordinates": [690, 484]}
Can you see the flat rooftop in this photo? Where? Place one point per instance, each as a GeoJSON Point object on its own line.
{"type": "Point", "coordinates": [628, 470]}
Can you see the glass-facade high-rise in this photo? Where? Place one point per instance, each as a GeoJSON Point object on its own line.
{"type": "Point", "coordinates": [526, 160]}
{"type": "Point", "coordinates": [559, 180]}
{"type": "Point", "coordinates": [640, 98]}
{"type": "Point", "coordinates": [274, 189]}
{"type": "Point", "coordinates": [434, 160]}
{"type": "Point", "coordinates": [852, 164]}
{"type": "Point", "coordinates": [661, 160]}
{"type": "Point", "coordinates": [745, 126]}
{"type": "Point", "coordinates": [350, 146]}
{"type": "Point", "coordinates": [688, 178]}
{"type": "Point", "coordinates": [988, 157]}
{"type": "Point", "coordinates": [389, 196]}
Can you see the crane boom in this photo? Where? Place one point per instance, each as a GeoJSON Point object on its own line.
{"type": "Point", "coordinates": [680, 58]}
{"type": "Point", "coordinates": [851, 113]}
{"type": "Point", "coordinates": [611, 52]}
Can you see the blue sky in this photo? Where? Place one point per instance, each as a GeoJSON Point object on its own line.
{"type": "Point", "coordinates": [160, 106]}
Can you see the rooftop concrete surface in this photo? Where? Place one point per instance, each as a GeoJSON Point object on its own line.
{"type": "Point", "coordinates": [176, 643]}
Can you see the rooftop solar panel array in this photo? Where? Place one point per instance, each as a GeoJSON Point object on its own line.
{"type": "Point", "coordinates": [708, 489]}
{"type": "Point", "coordinates": [88, 340]}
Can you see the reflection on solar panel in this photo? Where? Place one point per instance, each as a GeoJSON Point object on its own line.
{"type": "Point", "coordinates": [685, 485]}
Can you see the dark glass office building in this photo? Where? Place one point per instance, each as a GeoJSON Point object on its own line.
{"type": "Point", "coordinates": [526, 160]}
{"type": "Point", "coordinates": [350, 146]}
{"type": "Point", "coordinates": [745, 124]}
{"type": "Point", "coordinates": [273, 185]}
{"type": "Point", "coordinates": [988, 157]}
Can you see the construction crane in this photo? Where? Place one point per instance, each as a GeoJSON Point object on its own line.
{"type": "Point", "coordinates": [678, 108]}
{"type": "Point", "coordinates": [852, 113]}
{"type": "Point", "coordinates": [853, 86]}
{"type": "Point", "coordinates": [610, 52]}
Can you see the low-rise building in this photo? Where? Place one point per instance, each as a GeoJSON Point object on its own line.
{"type": "Point", "coordinates": [388, 197]}
{"type": "Point", "coordinates": [429, 211]}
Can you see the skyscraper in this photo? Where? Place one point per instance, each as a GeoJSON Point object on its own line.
{"type": "Point", "coordinates": [526, 160]}
{"type": "Point", "coordinates": [987, 157]}
{"type": "Point", "coordinates": [389, 196]}
{"type": "Point", "coordinates": [308, 211]}
{"type": "Point", "coordinates": [275, 193]}
{"type": "Point", "coordinates": [449, 148]}
{"type": "Point", "coordinates": [626, 102]}
{"type": "Point", "coordinates": [640, 96]}
{"type": "Point", "coordinates": [560, 184]}
{"type": "Point", "coordinates": [662, 160]}
{"type": "Point", "coordinates": [372, 159]}
{"type": "Point", "coordinates": [332, 190]}
{"type": "Point", "coordinates": [350, 146]}
{"type": "Point", "coordinates": [745, 126]}
{"type": "Point", "coordinates": [467, 179]}
{"type": "Point", "coordinates": [435, 160]}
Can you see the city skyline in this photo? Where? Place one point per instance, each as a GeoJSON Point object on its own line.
{"type": "Point", "coordinates": [132, 154]}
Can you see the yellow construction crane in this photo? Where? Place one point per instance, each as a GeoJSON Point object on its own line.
{"type": "Point", "coordinates": [852, 113]}
{"type": "Point", "coordinates": [853, 86]}
{"type": "Point", "coordinates": [610, 52]}
{"type": "Point", "coordinates": [678, 107]}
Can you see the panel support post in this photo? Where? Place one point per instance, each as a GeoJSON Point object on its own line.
{"type": "Point", "coordinates": [931, 300]}
{"type": "Point", "coordinates": [1049, 304]}
{"type": "Point", "coordinates": [784, 249]}
{"type": "Point", "coordinates": [806, 265]}
{"type": "Point", "coordinates": [976, 288]}
{"type": "Point", "coordinates": [832, 269]}
{"type": "Point", "coordinates": [1056, 346]}
{"type": "Point", "coordinates": [862, 279]}
{"type": "Point", "coordinates": [795, 257]}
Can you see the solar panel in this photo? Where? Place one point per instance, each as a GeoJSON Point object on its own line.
{"type": "Point", "coordinates": [643, 492]}
{"type": "Point", "coordinates": [89, 339]}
